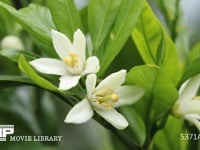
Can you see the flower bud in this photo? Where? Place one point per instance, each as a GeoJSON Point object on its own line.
{"type": "Point", "coordinates": [11, 41]}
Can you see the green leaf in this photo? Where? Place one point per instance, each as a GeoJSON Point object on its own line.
{"type": "Point", "coordinates": [47, 115]}
{"type": "Point", "coordinates": [8, 25]}
{"type": "Point", "coordinates": [16, 108]}
{"type": "Point", "coordinates": [161, 75]}
{"type": "Point", "coordinates": [136, 129]}
{"type": "Point", "coordinates": [192, 68]}
{"type": "Point", "coordinates": [195, 52]}
{"type": "Point", "coordinates": [13, 54]}
{"type": "Point", "coordinates": [129, 53]}
{"type": "Point", "coordinates": [10, 81]}
{"type": "Point", "coordinates": [154, 45]}
{"type": "Point", "coordinates": [101, 17]}
{"type": "Point", "coordinates": [27, 69]}
{"type": "Point", "coordinates": [36, 20]}
{"type": "Point", "coordinates": [160, 91]}
{"type": "Point", "coordinates": [169, 137]}
{"type": "Point", "coordinates": [123, 26]}
{"type": "Point", "coordinates": [84, 18]}
{"type": "Point", "coordinates": [65, 16]}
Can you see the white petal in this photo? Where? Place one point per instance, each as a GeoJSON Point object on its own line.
{"type": "Point", "coordinates": [61, 43]}
{"type": "Point", "coordinates": [79, 43]}
{"type": "Point", "coordinates": [67, 82]}
{"type": "Point", "coordinates": [113, 117]}
{"type": "Point", "coordinates": [194, 120]}
{"type": "Point", "coordinates": [128, 95]}
{"type": "Point", "coordinates": [196, 116]}
{"type": "Point", "coordinates": [80, 113]}
{"type": "Point", "coordinates": [113, 81]}
{"type": "Point", "coordinates": [187, 107]}
{"type": "Point", "coordinates": [90, 84]}
{"type": "Point", "coordinates": [189, 89]}
{"type": "Point", "coordinates": [92, 65]}
{"type": "Point", "coordinates": [49, 66]}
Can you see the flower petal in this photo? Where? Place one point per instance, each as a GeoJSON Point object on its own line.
{"type": "Point", "coordinates": [61, 43]}
{"type": "Point", "coordinates": [92, 65]}
{"type": "Point", "coordinates": [79, 43]}
{"type": "Point", "coordinates": [67, 82]}
{"type": "Point", "coordinates": [90, 84]}
{"type": "Point", "coordinates": [189, 89]}
{"type": "Point", "coordinates": [80, 113]}
{"type": "Point", "coordinates": [128, 95]}
{"type": "Point", "coordinates": [188, 107]}
{"type": "Point", "coordinates": [113, 81]}
{"type": "Point", "coordinates": [49, 66]}
{"type": "Point", "coordinates": [113, 117]}
{"type": "Point", "coordinates": [194, 119]}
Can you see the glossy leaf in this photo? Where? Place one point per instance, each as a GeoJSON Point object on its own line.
{"type": "Point", "coordinates": [160, 76]}
{"type": "Point", "coordinates": [27, 69]}
{"type": "Point", "coordinates": [36, 20]}
{"type": "Point", "coordinates": [123, 26]}
{"type": "Point", "coordinates": [10, 81]}
{"type": "Point", "coordinates": [192, 68]}
{"type": "Point", "coordinates": [13, 54]}
{"type": "Point", "coordinates": [170, 137]}
{"type": "Point", "coordinates": [129, 53]}
{"type": "Point", "coordinates": [174, 21]}
{"type": "Point", "coordinates": [154, 45]}
{"type": "Point", "coordinates": [7, 23]}
{"type": "Point", "coordinates": [136, 129]}
{"type": "Point", "coordinates": [194, 53]}
{"type": "Point", "coordinates": [161, 92]}
{"type": "Point", "coordinates": [65, 16]}
{"type": "Point", "coordinates": [101, 17]}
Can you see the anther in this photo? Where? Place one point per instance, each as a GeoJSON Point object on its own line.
{"type": "Point", "coordinates": [114, 97]}
{"type": "Point", "coordinates": [196, 98]}
{"type": "Point", "coordinates": [71, 60]}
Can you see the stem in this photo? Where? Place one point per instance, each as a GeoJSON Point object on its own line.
{"type": "Point", "coordinates": [171, 23]}
{"type": "Point", "coordinates": [175, 21]}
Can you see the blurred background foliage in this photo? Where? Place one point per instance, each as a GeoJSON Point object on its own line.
{"type": "Point", "coordinates": [35, 112]}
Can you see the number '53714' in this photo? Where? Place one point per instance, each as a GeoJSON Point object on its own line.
{"type": "Point", "coordinates": [189, 136]}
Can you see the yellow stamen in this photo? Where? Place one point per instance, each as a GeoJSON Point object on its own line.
{"type": "Point", "coordinates": [196, 98]}
{"type": "Point", "coordinates": [114, 97]}
{"type": "Point", "coordinates": [107, 105]}
{"type": "Point", "coordinates": [71, 60]}
{"type": "Point", "coordinates": [106, 97]}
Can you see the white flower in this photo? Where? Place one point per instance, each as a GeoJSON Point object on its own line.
{"type": "Point", "coordinates": [11, 41]}
{"type": "Point", "coordinates": [103, 98]}
{"type": "Point", "coordinates": [73, 63]}
{"type": "Point", "coordinates": [188, 104]}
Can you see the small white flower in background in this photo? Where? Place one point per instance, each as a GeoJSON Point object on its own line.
{"type": "Point", "coordinates": [188, 104]}
{"type": "Point", "coordinates": [72, 64]}
{"type": "Point", "coordinates": [104, 98]}
{"type": "Point", "coordinates": [11, 41]}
